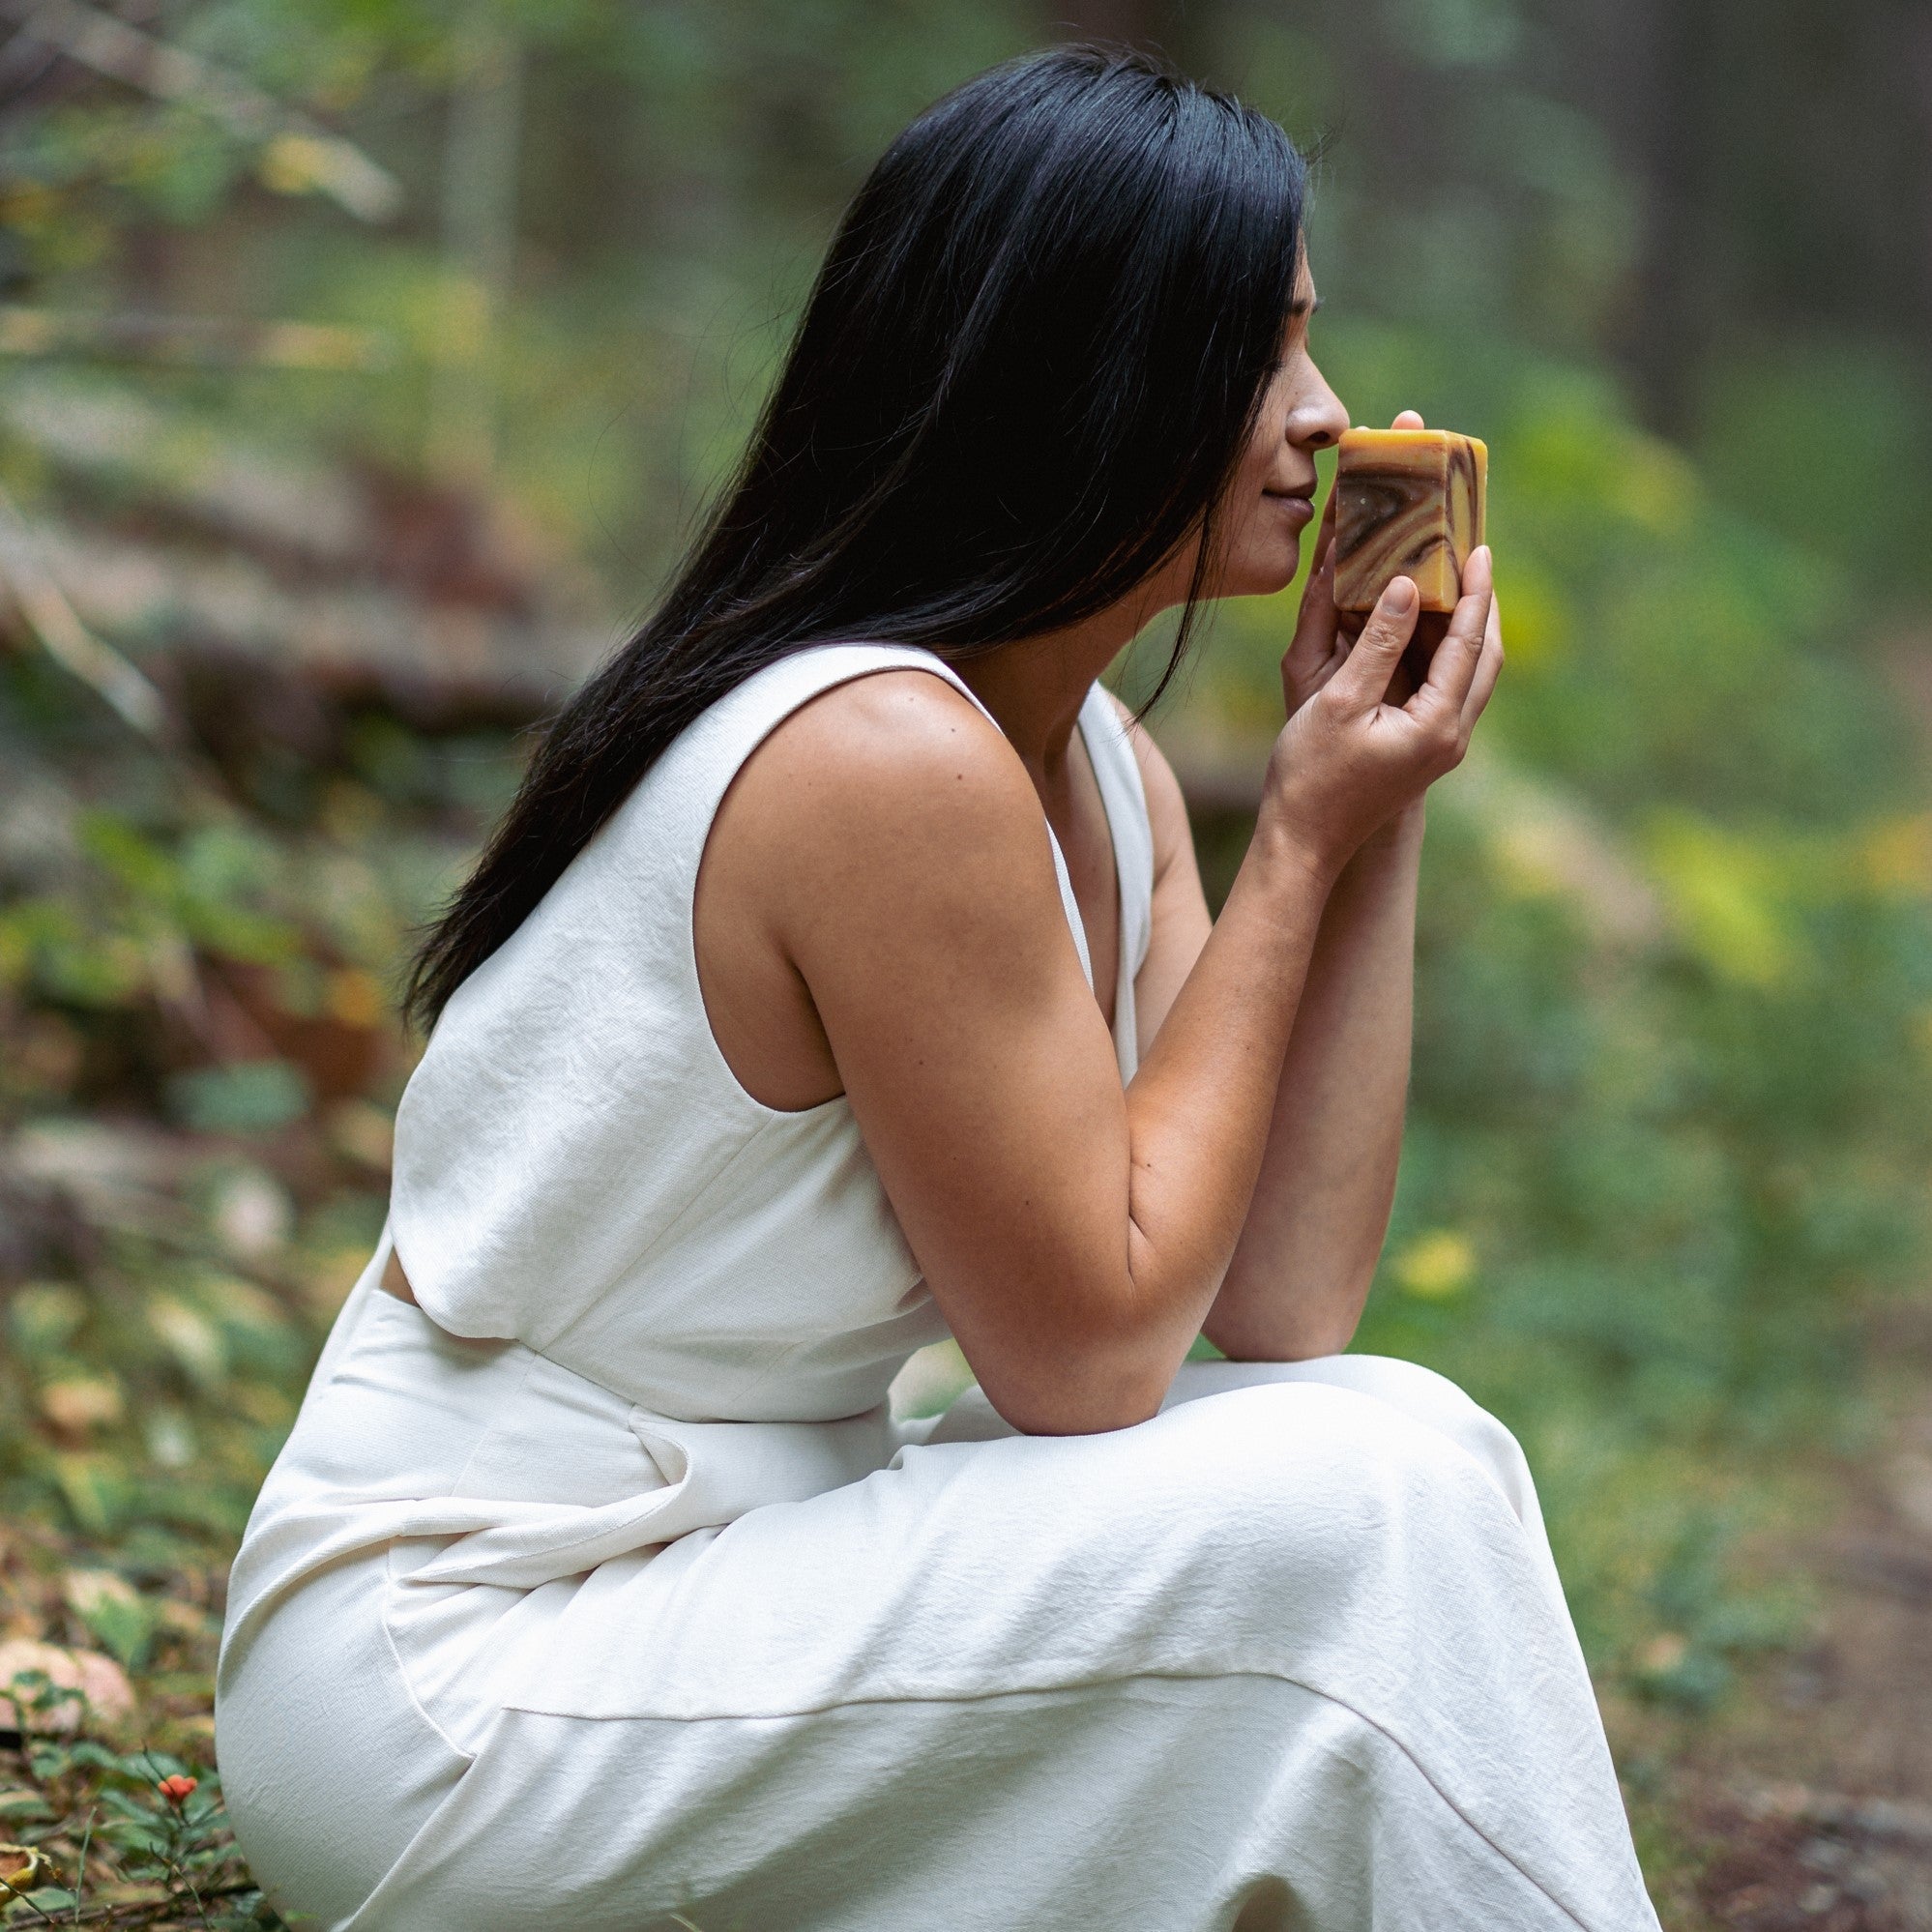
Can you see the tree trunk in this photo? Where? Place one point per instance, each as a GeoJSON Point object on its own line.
{"type": "Point", "coordinates": [480, 169]}
{"type": "Point", "coordinates": [1668, 334]}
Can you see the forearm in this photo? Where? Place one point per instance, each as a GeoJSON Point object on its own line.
{"type": "Point", "coordinates": [1319, 1212]}
{"type": "Point", "coordinates": [1202, 1107]}
{"type": "Point", "coordinates": [1246, 1068]}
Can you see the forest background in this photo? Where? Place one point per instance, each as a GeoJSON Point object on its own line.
{"type": "Point", "coordinates": [362, 364]}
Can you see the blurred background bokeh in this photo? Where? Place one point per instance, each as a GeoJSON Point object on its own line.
{"type": "Point", "coordinates": [362, 364]}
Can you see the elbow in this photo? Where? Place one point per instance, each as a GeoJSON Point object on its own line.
{"type": "Point", "coordinates": [1059, 1418]}
{"type": "Point", "coordinates": [1094, 1355]}
{"type": "Point", "coordinates": [1289, 1326]}
{"type": "Point", "coordinates": [1073, 1394]}
{"type": "Point", "coordinates": [1299, 1344]}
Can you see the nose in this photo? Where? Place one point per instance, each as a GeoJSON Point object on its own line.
{"type": "Point", "coordinates": [1317, 419]}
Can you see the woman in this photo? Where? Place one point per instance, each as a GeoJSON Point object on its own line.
{"type": "Point", "coordinates": [841, 978]}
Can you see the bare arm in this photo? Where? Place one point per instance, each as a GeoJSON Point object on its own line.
{"type": "Point", "coordinates": [1315, 1223]}
{"type": "Point", "coordinates": [1308, 1247]}
{"type": "Point", "coordinates": [1073, 1234]}
{"type": "Point", "coordinates": [1307, 1252]}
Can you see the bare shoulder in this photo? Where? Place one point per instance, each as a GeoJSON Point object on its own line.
{"type": "Point", "coordinates": [886, 725]}
{"type": "Point", "coordinates": [891, 799]}
{"type": "Point", "coordinates": [878, 869]}
{"type": "Point", "coordinates": [904, 744]}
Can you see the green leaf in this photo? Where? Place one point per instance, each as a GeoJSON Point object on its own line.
{"type": "Point", "coordinates": [45, 1316]}
{"type": "Point", "coordinates": [252, 1096]}
{"type": "Point", "coordinates": [115, 1612]}
{"type": "Point", "coordinates": [95, 1488]}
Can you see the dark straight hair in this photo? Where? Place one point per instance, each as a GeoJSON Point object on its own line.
{"type": "Point", "coordinates": [1021, 382]}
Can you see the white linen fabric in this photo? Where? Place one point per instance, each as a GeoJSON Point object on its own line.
{"type": "Point", "coordinates": [601, 1589]}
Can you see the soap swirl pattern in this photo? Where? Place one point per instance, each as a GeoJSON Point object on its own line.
{"type": "Point", "coordinates": [1414, 513]}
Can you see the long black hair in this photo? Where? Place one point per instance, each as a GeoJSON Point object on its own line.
{"type": "Point", "coordinates": [1022, 381]}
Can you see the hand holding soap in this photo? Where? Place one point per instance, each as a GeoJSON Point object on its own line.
{"type": "Point", "coordinates": [1408, 503]}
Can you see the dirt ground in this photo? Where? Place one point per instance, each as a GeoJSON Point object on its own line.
{"type": "Point", "coordinates": [1810, 1806]}
{"type": "Point", "coordinates": [1807, 1806]}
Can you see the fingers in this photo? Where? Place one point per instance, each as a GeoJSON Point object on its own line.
{"type": "Point", "coordinates": [1488, 667]}
{"type": "Point", "coordinates": [1309, 659]}
{"type": "Point", "coordinates": [1409, 419]}
{"type": "Point", "coordinates": [1315, 623]}
{"type": "Point", "coordinates": [1313, 591]}
{"type": "Point", "coordinates": [1453, 669]}
{"type": "Point", "coordinates": [1363, 679]}
{"type": "Point", "coordinates": [1324, 537]}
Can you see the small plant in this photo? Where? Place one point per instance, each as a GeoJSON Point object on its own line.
{"type": "Point", "coordinates": [114, 1839]}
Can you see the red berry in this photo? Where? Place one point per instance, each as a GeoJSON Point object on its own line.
{"type": "Point", "coordinates": [177, 1788]}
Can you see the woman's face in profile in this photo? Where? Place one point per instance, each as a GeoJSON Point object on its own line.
{"type": "Point", "coordinates": [1271, 500]}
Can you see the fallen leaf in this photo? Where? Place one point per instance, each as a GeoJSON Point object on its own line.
{"type": "Point", "coordinates": [102, 1683]}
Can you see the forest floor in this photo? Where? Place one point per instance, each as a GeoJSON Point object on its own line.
{"type": "Point", "coordinates": [1807, 1801]}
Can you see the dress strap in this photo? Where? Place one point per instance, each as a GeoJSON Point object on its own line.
{"type": "Point", "coordinates": [1116, 771]}
{"type": "Point", "coordinates": [915, 658]}
{"type": "Point", "coordinates": [760, 705]}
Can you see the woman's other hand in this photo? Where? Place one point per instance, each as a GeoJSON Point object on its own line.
{"type": "Point", "coordinates": [1355, 752]}
{"type": "Point", "coordinates": [1319, 647]}
{"type": "Point", "coordinates": [1323, 637]}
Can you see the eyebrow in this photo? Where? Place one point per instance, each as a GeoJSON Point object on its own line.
{"type": "Point", "coordinates": [1304, 306]}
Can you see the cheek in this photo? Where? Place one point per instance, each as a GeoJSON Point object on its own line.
{"type": "Point", "coordinates": [1258, 465]}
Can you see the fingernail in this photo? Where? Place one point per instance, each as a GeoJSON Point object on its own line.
{"type": "Point", "coordinates": [1399, 595]}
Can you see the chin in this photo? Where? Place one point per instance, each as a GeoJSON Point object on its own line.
{"type": "Point", "coordinates": [1263, 575]}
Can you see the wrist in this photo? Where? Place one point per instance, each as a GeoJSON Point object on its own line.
{"type": "Point", "coordinates": [1287, 851]}
{"type": "Point", "coordinates": [1401, 835]}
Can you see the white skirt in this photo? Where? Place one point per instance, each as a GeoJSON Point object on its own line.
{"type": "Point", "coordinates": [1291, 1653]}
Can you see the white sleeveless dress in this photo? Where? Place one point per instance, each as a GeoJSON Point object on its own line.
{"type": "Point", "coordinates": [600, 1591]}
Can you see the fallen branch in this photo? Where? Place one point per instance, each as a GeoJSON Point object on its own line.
{"type": "Point", "coordinates": [301, 151]}
{"type": "Point", "coordinates": [67, 641]}
{"type": "Point", "coordinates": [194, 341]}
{"type": "Point", "coordinates": [348, 635]}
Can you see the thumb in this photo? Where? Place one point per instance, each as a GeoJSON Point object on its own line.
{"type": "Point", "coordinates": [1365, 679]}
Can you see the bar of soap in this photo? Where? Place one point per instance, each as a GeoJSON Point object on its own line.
{"type": "Point", "coordinates": [1408, 502]}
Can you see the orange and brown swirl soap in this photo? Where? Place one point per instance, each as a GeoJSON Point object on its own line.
{"type": "Point", "coordinates": [1408, 502]}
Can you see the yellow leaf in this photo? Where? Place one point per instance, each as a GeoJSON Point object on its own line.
{"type": "Point", "coordinates": [355, 998]}
{"type": "Point", "coordinates": [293, 164]}
{"type": "Point", "coordinates": [1725, 894]}
{"type": "Point", "coordinates": [23, 1868]}
{"type": "Point", "coordinates": [1436, 1265]}
{"type": "Point", "coordinates": [1897, 854]}
{"type": "Point", "coordinates": [80, 1403]}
